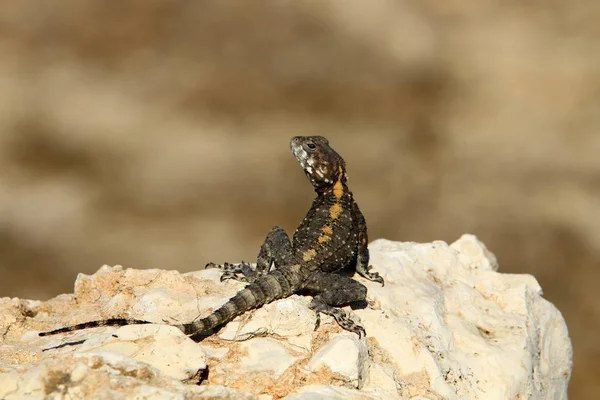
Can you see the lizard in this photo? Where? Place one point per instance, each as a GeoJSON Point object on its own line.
{"type": "Point", "coordinates": [332, 236]}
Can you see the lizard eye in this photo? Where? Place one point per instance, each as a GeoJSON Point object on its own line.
{"type": "Point", "coordinates": [311, 146]}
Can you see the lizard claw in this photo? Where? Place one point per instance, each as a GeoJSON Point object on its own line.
{"type": "Point", "coordinates": [226, 276]}
{"type": "Point", "coordinates": [317, 320]}
{"type": "Point", "coordinates": [360, 331]}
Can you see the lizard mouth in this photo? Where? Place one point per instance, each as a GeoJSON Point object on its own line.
{"type": "Point", "coordinates": [300, 154]}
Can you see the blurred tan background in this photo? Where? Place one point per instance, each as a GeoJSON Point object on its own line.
{"type": "Point", "coordinates": [154, 134]}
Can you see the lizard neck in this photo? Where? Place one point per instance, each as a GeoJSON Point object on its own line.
{"type": "Point", "coordinates": [337, 189]}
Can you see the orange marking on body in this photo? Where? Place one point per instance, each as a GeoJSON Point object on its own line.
{"type": "Point", "coordinates": [327, 232]}
{"type": "Point", "coordinates": [309, 255]}
{"type": "Point", "coordinates": [338, 188]}
{"type": "Point", "coordinates": [335, 211]}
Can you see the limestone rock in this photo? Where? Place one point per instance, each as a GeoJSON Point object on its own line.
{"type": "Point", "coordinates": [454, 326]}
{"type": "Point", "coordinates": [163, 347]}
{"type": "Point", "coordinates": [380, 380]}
{"type": "Point", "coordinates": [105, 375]}
{"type": "Point", "coordinates": [446, 325]}
{"type": "Point", "coordinates": [289, 318]}
{"type": "Point", "coordinates": [344, 354]}
{"type": "Point", "coordinates": [319, 392]}
{"type": "Point", "coordinates": [266, 355]}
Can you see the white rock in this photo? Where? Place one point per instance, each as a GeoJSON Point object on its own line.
{"type": "Point", "coordinates": [164, 347]}
{"type": "Point", "coordinates": [320, 392]}
{"type": "Point", "coordinates": [214, 352]}
{"type": "Point", "coordinates": [301, 342]}
{"type": "Point", "coordinates": [100, 376]}
{"type": "Point", "coordinates": [380, 380]}
{"type": "Point", "coordinates": [9, 383]}
{"type": "Point", "coordinates": [79, 372]}
{"type": "Point", "coordinates": [288, 317]}
{"type": "Point", "coordinates": [344, 354]}
{"type": "Point", "coordinates": [265, 355]}
{"type": "Point", "coordinates": [473, 253]}
{"type": "Point", "coordinates": [470, 330]}
{"type": "Point", "coordinates": [445, 325]}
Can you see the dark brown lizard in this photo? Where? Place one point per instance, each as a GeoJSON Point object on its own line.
{"type": "Point", "coordinates": [333, 235]}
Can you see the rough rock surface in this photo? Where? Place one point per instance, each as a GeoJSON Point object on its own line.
{"type": "Point", "coordinates": [446, 325]}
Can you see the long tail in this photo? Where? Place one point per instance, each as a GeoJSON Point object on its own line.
{"type": "Point", "coordinates": [275, 285]}
{"type": "Point", "coordinates": [266, 289]}
{"type": "Point", "coordinates": [96, 324]}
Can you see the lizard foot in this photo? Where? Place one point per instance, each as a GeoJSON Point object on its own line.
{"type": "Point", "coordinates": [372, 276]}
{"type": "Point", "coordinates": [343, 320]}
{"type": "Point", "coordinates": [243, 272]}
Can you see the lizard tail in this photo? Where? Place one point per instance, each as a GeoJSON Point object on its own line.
{"type": "Point", "coordinates": [96, 324]}
{"type": "Point", "coordinates": [264, 290]}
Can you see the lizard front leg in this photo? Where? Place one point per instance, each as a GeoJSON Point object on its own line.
{"type": "Point", "coordinates": [276, 250]}
{"type": "Point", "coordinates": [362, 258]}
{"type": "Point", "coordinates": [333, 290]}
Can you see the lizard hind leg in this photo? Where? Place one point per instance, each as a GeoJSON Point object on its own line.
{"type": "Point", "coordinates": [334, 290]}
{"type": "Point", "coordinates": [275, 251]}
{"type": "Point", "coordinates": [343, 320]}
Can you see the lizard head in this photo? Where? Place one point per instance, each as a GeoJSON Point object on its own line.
{"type": "Point", "coordinates": [321, 164]}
